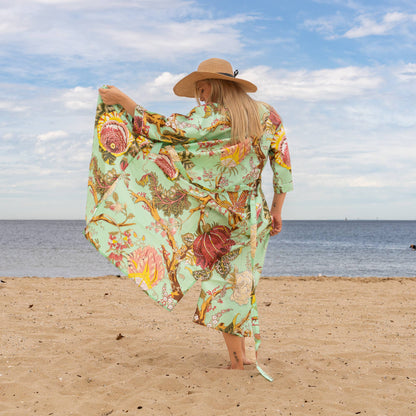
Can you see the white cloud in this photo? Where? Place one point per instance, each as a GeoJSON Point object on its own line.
{"type": "Point", "coordinates": [164, 30]}
{"type": "Point", "coordinates": [161, 88]}
{"type": "Point", "coordinates": [407, 73]}
{"type": "Point", "coordinates": [166, 79]}
{"type": "Point", "coordinates": [106, 4]}
{"type": "Point", "coordinates": [52, 135]}
{"type": "Point", "coordinates": [7, 136]}
{"type": "Point", "coordinates": [326, 26]}
{"type": "Point", "coordinates": [367, 26]}
{"type": "Point", "coordinates": [350, 128]}
{"type": "Point", "coordinates": [80, 98]}
{"type": "Point", "coordinates": [170, 39]}
{"type": "Point", "coordinates": [13, 20]}
{"type": "Point", "coordinates": [10, 106]}
{"type": "Point", "coordinates": [336, 26]}
{"type": "Point", "coordinates": [321, 85]}
{"type": "Point", "coordinates": [325, 84]}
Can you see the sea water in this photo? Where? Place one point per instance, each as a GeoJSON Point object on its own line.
{"type": "Point", "coordinates": [303, 248]}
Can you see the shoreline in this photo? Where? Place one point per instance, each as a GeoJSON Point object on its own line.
{"type": "Point", "coordinates": [334, 345]}
{"type": "Point", "coordinates": [293, 278]}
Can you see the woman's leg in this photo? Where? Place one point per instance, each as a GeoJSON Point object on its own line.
{"type": "Point", "coordinates": [235, 350]}
{"type": "Point", "coordinates": [246, 361]}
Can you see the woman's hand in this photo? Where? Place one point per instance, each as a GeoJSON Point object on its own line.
{"type": "Point", "coordinates": [112, 96]}
{"type": "Point", "coordinates": [276, 224]}
{"type": "Point", "coordinates": [276, 213]}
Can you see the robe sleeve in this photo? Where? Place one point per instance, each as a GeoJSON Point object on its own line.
{"type": "Point", "coordinates": [177, 128]}
{"type": "Point", "coordinates": [279, 156]}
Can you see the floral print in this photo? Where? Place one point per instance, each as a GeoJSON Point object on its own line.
{"type": "Point", "coordinates": [167, 166]}
{"type": "Point", "coordinates": [211, 245]}
{"type": "Point", "coordinates": [113, 134]}
{"type": "Point", "coordinates": [231, 156]}
{"type": "Point", "coordinates": [242, 287]}
{"type": "Point", "coordinates": [173, 200]}
{"type": "Point", "coordinates": [145, 265]}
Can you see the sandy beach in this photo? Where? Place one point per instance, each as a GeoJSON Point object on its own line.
{"type": "Point", "coordinates": [100, 346]}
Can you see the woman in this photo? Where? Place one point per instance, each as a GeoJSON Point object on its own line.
{"type": "Point", "coordinates": [214, 156]}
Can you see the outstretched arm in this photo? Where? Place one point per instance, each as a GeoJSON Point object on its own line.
{"type": "Point", "coordinates": [112, 96]}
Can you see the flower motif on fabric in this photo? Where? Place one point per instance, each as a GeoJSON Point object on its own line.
{"type": "Point", "coordinates": [238, 201]}
{"type": "Point", "coordinates": [166, 164]}
{"type": "Point", "coordinates": [223, 265]}
{"type": "Point", "coordinates": [113, 134]}
{"type": "Point", "coordinates": [279, 141]}
{"type": "Point", "coordinates": [138, 126]}
{"type": "Point", "coordinates": [116, 258]}
{"type": "Point", "coordinates": [208, 175]}
{"type": "Point", "coordinates": [279, 144]}
{"type": "Point", "coordinates": [166, 300]}
{"type": "Point", "coordinates": [284, 152]}
{"type": "Point", "coordinates": [211, 245]}
{"type": "Point", "coordinates": [209, 147]}
{"type": "Point", "coordinates": [119, 241]}
{"type": "Point", "coordinates": [146, 266]}
{"type": "Point", "coordinates": [275, 118]}
{"type": "Point", "coordinates": [100, 182]}
{"type": "Point", "coordinates": [233, 155]}
{"type": "Point", "coordinates": [160, 226]}
{"type": "Point", "coordinates": [242, 288]}
{"type": "Point", "coordinates": [172, 202]}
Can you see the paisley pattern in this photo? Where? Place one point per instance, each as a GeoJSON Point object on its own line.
{"type": "Point", "coordinates": [171, 200]}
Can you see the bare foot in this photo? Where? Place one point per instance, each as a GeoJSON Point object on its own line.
{"type": "Point", "coordinates": [229, 367]}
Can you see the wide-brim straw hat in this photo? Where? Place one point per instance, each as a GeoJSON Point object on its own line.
{"type": "Point", "coordinates": [213, 68]}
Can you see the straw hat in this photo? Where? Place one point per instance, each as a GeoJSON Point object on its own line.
{"type": "Point", "coordinates": [213, 68]}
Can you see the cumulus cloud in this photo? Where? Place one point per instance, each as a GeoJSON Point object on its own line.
{"type": "Point", "coordinates": [161, 87]}
{"type": "Point", "coordinates": [323, 84]}
{"type": "Point", "coordinates": [320, 85]}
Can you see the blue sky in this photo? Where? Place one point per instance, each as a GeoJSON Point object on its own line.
{"type": "Point", "coordinates": [342, 75]}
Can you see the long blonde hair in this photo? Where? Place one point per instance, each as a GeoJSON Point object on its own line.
{"type": "Point", "coordinates": [242, 109]}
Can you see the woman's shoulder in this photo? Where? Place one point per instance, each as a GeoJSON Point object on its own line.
{"type": "Point", "coordinates": [265, 107]}
{"type": "Point", "coordinates": [205, 110]}
{"type": "Point", "coordinates": [268, 112]}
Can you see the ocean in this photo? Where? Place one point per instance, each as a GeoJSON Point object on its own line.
{"type": "Point", "coordinates": [303, 248]}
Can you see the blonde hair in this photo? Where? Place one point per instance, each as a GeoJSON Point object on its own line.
{"type": "Point", "coordinates": [241, 108]}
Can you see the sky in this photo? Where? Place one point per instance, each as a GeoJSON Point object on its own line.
{"type": "Point", "coordinates": [341, 74]}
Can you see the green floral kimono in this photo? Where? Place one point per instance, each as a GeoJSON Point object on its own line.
{"type": "Point", "coordinates": [171, 201]}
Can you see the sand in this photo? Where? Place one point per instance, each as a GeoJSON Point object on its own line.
{"type": "Point", "coordinates": [100, 346]}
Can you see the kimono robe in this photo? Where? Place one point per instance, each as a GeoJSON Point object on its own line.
{"type": "Point", "coordinates": [172, 200]}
